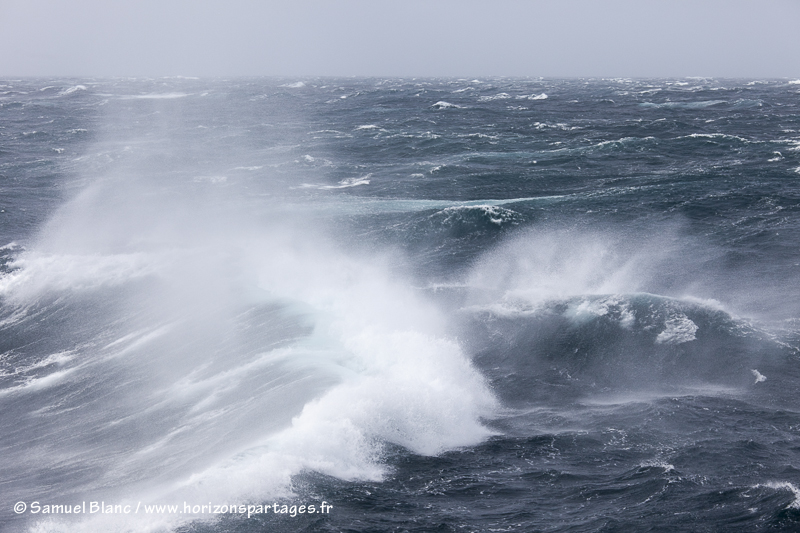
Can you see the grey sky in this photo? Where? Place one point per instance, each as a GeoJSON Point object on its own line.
{"type": "Point", "coordinates": [724, 38]}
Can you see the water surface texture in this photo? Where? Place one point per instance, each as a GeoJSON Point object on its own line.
{"type": "Point", "coordinates": [436, 305]}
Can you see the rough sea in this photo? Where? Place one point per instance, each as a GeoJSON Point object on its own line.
{"type": "Point", "coordinates": [411, 305]}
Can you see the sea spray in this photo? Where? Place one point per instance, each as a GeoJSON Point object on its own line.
{"type": "Point", "coordinates": [216, 351]}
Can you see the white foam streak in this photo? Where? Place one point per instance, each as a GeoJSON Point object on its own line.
{"type": "Point", "coordinates": [59, 359]}
{"type": "Point", "coordinates": [37, 272]}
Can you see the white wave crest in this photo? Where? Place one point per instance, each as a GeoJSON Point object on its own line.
{"type": "Point", "coordinates": [445, 105]}
{"type": "Point", "coordinates": [615, 305]}
{"type": "Point", "coordinates": [785, 485]}
{"type": "Point", "coordinates": [658, 464]}
{"type": "Point", "coordinates": [497, 215]}
{"type": "Point", "coordinates": [73, 89]}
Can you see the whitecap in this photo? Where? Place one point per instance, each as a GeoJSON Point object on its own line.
{"type": "Point", "coordinates": [715, 136]}
{"type": "Point", "coordinates": [445, 105]}
{"type": "Point", "coordinates": [795, 143]}
{"type": "Point", "coordinates": [350, 182]}
{"type": "Point", "coordinates": [73, 89]}
{"type": "Point", "coordinates": [343, 184]}
{"type": "Point", "coordinates": [785, 485]}
{"type": "Point", "coordinates": [478, 135]}
{"type": "Point", "coordinates": [612, 306]}
{"type": "Point", "coordinates": [679, 329]}
{"type": "Point", "coordinates": [658, 464]}
{"type": "Point", "coordinates": [496, 215]}
{"type": "Point", "coordinates": [352, 204]}
{"type": "Point", "coordinates": [499, 96]}
{"type": "Point", "coordinates": [295, 85]}
{"type": "Point", "coordinates": [759, 376]}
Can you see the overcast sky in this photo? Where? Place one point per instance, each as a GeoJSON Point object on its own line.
{"type": "Point", "coordinates": [554, 38]}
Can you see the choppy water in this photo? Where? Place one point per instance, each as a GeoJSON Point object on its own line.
{"type": "Point", "coordinates": [438, 305]}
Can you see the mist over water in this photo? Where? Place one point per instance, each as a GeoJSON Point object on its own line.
{"type": "Point", "coordinates": [252, 290]}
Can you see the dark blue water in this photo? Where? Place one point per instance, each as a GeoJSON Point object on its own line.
{"type": "Point", "coordinates": [437, 305]}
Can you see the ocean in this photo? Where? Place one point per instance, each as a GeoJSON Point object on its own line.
{"type": "Point", "coordinates": [399, 305]}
